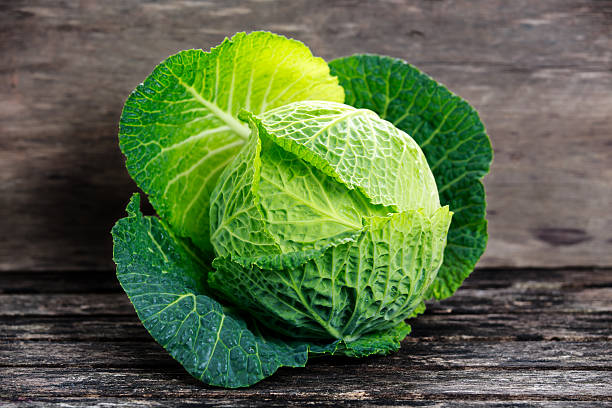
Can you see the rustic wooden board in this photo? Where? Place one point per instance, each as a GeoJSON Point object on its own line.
{"type": "Point", "coordinates": [468, 301]}
{"type": "Point", "coordinates": [246, 402]}
{"type": "Point", "coordinates": [350, 382]}
{"type": "Point", "coordinates": [480, 327]}
{"type": "Point", "coordinates": [269, 402]}
{"type": "Point", "coordinates": [509, 338]}
{"type": "Point", "coordinates": [437, 355]}
{"type": "Point", "coordinates": [539, 72]}
{"type": "Point", "coordinates": [79, 282]}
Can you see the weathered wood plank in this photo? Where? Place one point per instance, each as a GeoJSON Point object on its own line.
{"type": "Point", "coordinates": [305, 384]}
{"type": "Point", "coordinates": [116, 304]}
{"type": "Point", "coordinates": [237, 401]}
{"type": "Point", "coordinates": [443, 327]}
{"type": "Point", "coordinates": [526, 279]}
{"type": "Point", "coordinates": [84, 281]}
{"type": "Point", "coordinates": [508, 338]}
{"type": "Point", "coordinates": [543, 326]}
{"type": "Point", "coordinates": [487, 291]}
{"type": "Point", "coordinates": [538, 72]}
{"type": "Point", "coordinates": [518, 279]}
{"type": "Point", "coordinates": [536, 300]}
{"type": "Point", "coordinates": [519, 355]}
{"type": "Point", "coordinates": [508, 301]}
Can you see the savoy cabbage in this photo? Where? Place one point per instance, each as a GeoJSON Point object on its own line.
{"type": "Point", "coordinates": [303, 208]}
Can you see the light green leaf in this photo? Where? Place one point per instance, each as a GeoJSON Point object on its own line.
{"type": "Point", "coordinates": [358, 148]}
{"type": "Point", "coordinates": [452, 137]}
{"type": "Point", "coordinates": [246, 224]}
{"type": "Point", "coordinates": [370, 284]}
{"type": "Point", "coordinates": [342, 267]}
{"type": "Point", "coordinates": [269, 202]}
{"type": "Point", "coordinates": [165, 280]}
{"type": "Point", "coordinates": [322, 210]}
{"type": "Point", "coordinates": [179, 129]}
{"type": "Point", "coordinates": [377, 343]}
{"type": "Point", "coordinates": [237, 223]}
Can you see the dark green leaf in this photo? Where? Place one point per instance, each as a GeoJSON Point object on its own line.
{"type": "Point", "coordinates": [452, 137]}
{"type": "Point", "coordinates": [164, 279]}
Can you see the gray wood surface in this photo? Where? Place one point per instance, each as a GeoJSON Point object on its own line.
{"type": "Point", "coordinates": [509, 338]}
{"type": "Point", "coordinates": [539, 72]}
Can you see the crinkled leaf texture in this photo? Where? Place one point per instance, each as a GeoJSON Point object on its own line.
{"type": "Point", "coordinates": [452, 137]}
{"type": "Point", "coordinates": [165, 280]}
{"type": "Point", "coordinates": [317, 234]}
{"type": "Point", "coordinates": [327, 226]}
{"type": "Point", "coordinates": [178, 129]}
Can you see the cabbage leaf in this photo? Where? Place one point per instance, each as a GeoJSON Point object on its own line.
{"type": "Point", "coordinates": [453, 138]}
{"type": "Point", "coordinates": [327, 222]}
{"type": "Point", "coordinates": [165, 280]}
{"type": "Point", "coordinates": [313, 269]}
{"type": "Point", "coordinates": [179, 129]}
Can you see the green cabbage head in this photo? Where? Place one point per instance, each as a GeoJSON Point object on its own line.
{"type": "Point", "coordinates": [327, 225]}
{"type": "Point", "coordinates": [301, 207]}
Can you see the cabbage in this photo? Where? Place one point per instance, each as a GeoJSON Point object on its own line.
{"type": "Point", "coordinates": [327, 225]}
{"type": "Point", "coordinates": [290, 223]}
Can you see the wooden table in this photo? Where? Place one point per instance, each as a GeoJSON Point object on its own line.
{"type": "Point", "coordinates": [524, 337]}
{"type": "Point", "coordinates": [539, 73]}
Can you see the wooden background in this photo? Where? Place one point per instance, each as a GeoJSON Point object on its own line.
{"type": "Point", "coordinates": [540, 73]}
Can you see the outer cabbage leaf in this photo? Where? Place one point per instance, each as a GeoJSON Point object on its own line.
{"type": "Point", "coordinates": [165, 281]}
{"type": "Point", "coordinates": [178, 129]}
{"type": "Point", "coordinates": [452, 137]}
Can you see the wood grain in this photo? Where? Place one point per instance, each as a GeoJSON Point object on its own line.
{"type": "Point", "coordinates": [305, 385]}
{"type": "Point", "coordinates": [80, 282]}
{"type": "Point", "coordinates": [481, 327]}
{"type": "Point", "coordinates": [508, 338]}
{"type": "Point", "coordinates": [236, 401]}
{"type": "Point", "coordinates": [424, 354]}
{"type": "Point", "coordinates": [543, 299]}
{"type": "Point", "coordinates": [539, 73]}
